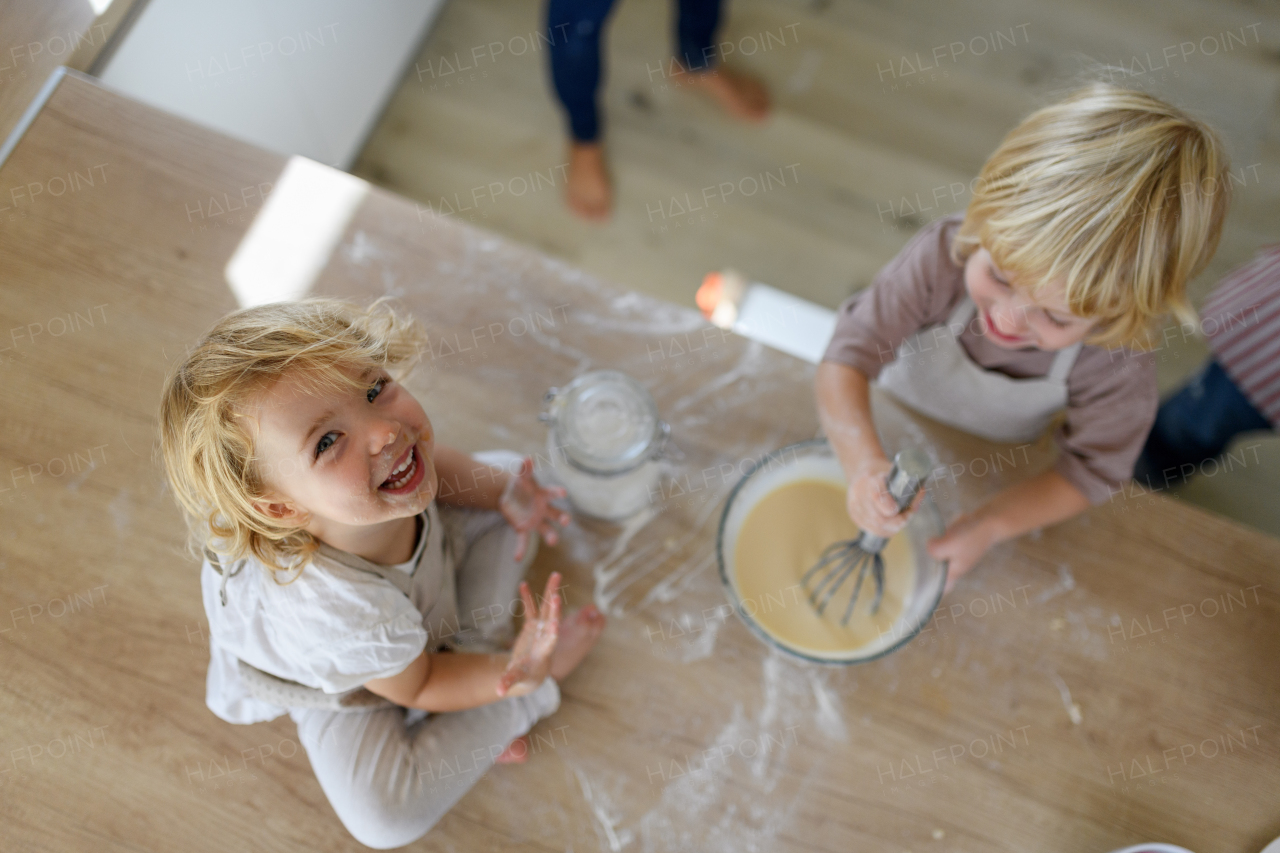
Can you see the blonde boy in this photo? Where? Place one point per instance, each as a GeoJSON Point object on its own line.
{"type": "Point", "coordinates": [1084, 228]}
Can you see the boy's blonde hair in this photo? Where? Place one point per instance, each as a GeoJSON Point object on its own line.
{"type": "Point", "coordinates": [1114, 192]}
{"type": "Point", "coordinates": [208, 454]}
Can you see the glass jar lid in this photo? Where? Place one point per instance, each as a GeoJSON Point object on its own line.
{"type": "Point", "coordinates": [605, 422]}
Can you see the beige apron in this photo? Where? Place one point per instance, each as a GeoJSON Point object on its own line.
{"type": "Point", "coordinates": [432, 580]}
{"type": "Point", "coordinates": [935, 376]}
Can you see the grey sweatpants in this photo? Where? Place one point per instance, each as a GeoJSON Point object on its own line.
{"type": "Point", "coordinates": [391, 774]}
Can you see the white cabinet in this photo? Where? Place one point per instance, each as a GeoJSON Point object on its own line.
{"type": "Point", "coordinates": [307, 77]}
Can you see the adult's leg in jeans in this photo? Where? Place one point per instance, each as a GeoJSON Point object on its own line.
{"type": "Point", "coordinates": [740, 94]}
{"type": "Point", "coordinates": [696, 23]}
{"type": "Point", "coordinates": [389, 782]}
{"type": "Point", "coordinates": [1194, 425]}
{"type": "Point", "coordinates": [574, 28]}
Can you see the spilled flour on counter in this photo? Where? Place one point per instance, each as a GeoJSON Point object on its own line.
{"type": "Point", "coordinates": [738, 790]}
{"type": "Point", "coordinates": [625, 569]}
{"type": "Point", "coordinates": [1073, 709]}
{"type": "Point", "coordinates": [610, 573]}
{"type": "Point", "coordinates": [1066, 583]}
{"type": "Point", "coordinates": [704, 645]}
{"type": "Point", "coordinates": [120, 507]}
{"type": "Point", "coordinates": [605, 814]}
{"type": "Point", "coordinates": [669, 588]}
{"type": "Point", "coordinates": [827, 711]}
{"type": "Point", "coordinates": [361, 250]}
{"type": "Point", "coordinates": [748, 816]}
{"type": "Point", "coordinates": [746, 368]}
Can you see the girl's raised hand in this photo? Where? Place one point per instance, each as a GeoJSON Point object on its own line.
{"type": "Point", "coordinates": [527, 507]}
{"type": "Point", "coordinates": [531, 655]}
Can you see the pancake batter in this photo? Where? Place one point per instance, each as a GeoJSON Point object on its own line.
{"type": "Point", "coordinates": [782, 537]}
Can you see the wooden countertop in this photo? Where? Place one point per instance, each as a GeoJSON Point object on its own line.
{"type": "Point", "coordinates": [38, 37]}
{"type": "Point", "coordinates": [1110, 681]}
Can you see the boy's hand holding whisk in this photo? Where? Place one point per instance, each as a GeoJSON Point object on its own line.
{"type": "Point", "coordinates": [869, 503]}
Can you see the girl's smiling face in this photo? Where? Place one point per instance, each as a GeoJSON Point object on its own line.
{"type": "Point", "coordinates": [1011, 318]}
{"type": "Point", "coordinates": [348, 458]}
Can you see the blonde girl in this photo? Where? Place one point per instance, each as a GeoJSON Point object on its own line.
{"type": "Point", "coordinates": [337, 589]}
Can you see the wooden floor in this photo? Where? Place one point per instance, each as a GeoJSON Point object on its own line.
{"type": "Point", "coordinates": [859, 153]}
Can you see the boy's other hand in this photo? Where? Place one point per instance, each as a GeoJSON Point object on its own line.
{"type": "Point", "coordinates": [527, 507]}
{"type": "Point", "coordinates": [966, 539]}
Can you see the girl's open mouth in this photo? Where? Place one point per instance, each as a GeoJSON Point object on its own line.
{"type": "Point", "coordinates": [406, 479]}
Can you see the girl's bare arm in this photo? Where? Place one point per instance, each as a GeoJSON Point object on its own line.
{"type": "Point", "coordinates": [454, 682]}
{"type": "Point", "coordinates": [448, 681]}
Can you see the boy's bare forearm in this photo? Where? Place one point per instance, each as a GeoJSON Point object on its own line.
{"type": "Point", "coordinates": [1043, 500]}
{"type": "Point", "coordinates": [844, 410]}
{"type": "Point", "coordinates": [466, 481]}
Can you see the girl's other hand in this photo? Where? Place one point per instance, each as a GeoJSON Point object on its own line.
{"type": "Point", "coordinates": [531, 655]}
{"type": "Point", "coordinates": [527, 507]}
{"type": "Point", "coordinates": [871, 506]}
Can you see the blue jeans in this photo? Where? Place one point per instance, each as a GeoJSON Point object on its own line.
{"type": "Point", "coordinates": [1195, 425]}
{"type": "Point", "coordinates": [574, 28]}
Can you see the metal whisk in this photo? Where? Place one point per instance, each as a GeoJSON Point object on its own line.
{"type": "Point", "coordinates": [862, 555]}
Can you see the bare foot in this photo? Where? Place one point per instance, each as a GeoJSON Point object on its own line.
{"type": "Point", "coordinates": [579, 631]}
{"type": "Point", "coordinates": [588, 191]}
{"type": "Point", "coordinates": [517, 752]}
{"type": "Point", "coordinates": [741, 95]}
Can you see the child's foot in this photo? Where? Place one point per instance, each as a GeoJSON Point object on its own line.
{"type": "Point", "coordinates": [579, 631]}
{"type": "Point", "coordinates": [741, 95]}
{"type": "Point", "coordinates": [517, 752]}
{"type": "Point", "coordinates": [588, 192]}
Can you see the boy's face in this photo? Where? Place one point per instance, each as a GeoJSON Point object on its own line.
{"type": "Point", "coordinates": [329, 459]}
{"type": "Point", "coordinates": [1011, 318]}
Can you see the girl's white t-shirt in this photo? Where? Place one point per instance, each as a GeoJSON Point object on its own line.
{"type": "Point", "coordinates": [334, 627]}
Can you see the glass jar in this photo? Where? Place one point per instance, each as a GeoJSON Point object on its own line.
{"type": "Point", "coordinates": [605, 439]}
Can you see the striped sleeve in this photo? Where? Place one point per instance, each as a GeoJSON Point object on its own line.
{"type": "Point", "coordinates": [1241, 320]}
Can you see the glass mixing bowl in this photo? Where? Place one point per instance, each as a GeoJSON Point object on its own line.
{"type": "Point", "coordinates": [816, 460]}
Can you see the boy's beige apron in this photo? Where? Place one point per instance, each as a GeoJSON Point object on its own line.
{"type": "Point", "coordinates": [935, 376]}
{"type": "Point", "coordinates": [432, 580]}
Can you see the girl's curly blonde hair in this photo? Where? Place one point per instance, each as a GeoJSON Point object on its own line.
{"type": "Point", "coordinates": [208, 455]}
{"type": "Point", "coordinates": [1113, 192]}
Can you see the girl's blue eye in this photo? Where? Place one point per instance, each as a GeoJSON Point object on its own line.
{"type": "Point", "coordinates": [328, 439]}
{"type": "Point", "coordinates": [322, 447]}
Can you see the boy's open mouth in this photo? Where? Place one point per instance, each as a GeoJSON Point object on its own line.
{"type": "Point", "coordinates": [406, 477]}
{"type": "Point", "coordinates": [996, 333]}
